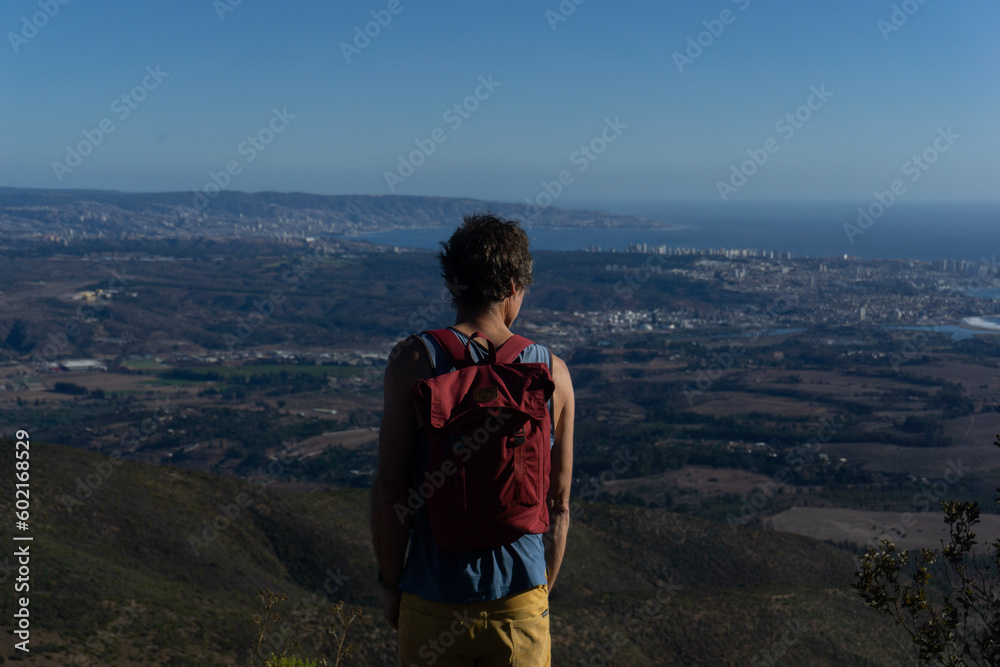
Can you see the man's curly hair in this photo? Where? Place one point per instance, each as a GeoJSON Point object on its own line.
{"type": "Point", "coordinates": [481, 258]}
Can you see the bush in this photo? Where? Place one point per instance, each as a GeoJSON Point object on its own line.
{"type": "Point", "coordinates": [272, 647]}
{"type": "Point", "coordinates": [69, 388]}
{"type": "Point", "coordinates": [956, 622]}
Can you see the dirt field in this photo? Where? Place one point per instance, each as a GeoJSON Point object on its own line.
{"type": "Point", "coordinates": [972, 377]}
{"type": "Point", "coordinates": [352, 439]}
{"type": "Point", "coordinates": [908, 530]}
{"type": "Point", "coordinates": [691, 482]}
{"type": "Point", "coordinates": [90, 379]}
{"type": "Point", "coordinates": [930, 462]}
{"type": "Point", "coordinates": [829, 383]}
{"type": "Point", "coordinates": [723, 403]}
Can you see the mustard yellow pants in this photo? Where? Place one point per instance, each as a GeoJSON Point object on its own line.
{"type": "Point", "coordinates": [510, 631]}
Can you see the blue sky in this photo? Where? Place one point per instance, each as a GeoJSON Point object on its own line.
{"type": "Point", "coordinates": [669, 132]}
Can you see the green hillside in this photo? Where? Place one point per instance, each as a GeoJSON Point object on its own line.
{"type": "Point", "coordinates": [131, 576]}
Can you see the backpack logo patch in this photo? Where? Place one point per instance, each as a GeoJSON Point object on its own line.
{"type": "Point", "coordinates": [484, 394]}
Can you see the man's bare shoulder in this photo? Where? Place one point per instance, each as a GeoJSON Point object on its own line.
{"type": "Point", "coordinates": [408, 361]}
{"type": "Point", "coordinates": [560, 372]}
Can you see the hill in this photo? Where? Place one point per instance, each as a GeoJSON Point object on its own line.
{"type": "Point", "coordinates": [135, 564]}
{"type": "Point", "coordinates": [71, 215]}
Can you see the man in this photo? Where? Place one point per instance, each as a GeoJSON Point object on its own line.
{"type": "Point", "coordinates": [482, 607]}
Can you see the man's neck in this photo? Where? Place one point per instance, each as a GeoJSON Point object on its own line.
{"type": "Point", "coordinates": [490, 323]}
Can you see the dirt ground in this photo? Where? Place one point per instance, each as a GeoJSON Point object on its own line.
{"type": "Point", "coordinates": [909, 530]}
{"type": "Point", "coordinates": [351, 439]}
{"type": "Point", "coordinates": [692, 482]}
{"type": "Point", "coordinates": [931, 462]}
{"type": "Point", "coordinates": [725, 403]}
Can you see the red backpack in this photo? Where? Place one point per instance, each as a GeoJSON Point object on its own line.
{"type": "Point", "coordinates": [488, 460]}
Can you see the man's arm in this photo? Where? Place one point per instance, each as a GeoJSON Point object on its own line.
{"type": "Point", "coordinates": [389, 516]}
{"type": "Point", "coordinates": [561, 475]}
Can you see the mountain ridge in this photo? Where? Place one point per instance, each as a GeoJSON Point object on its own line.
{"type": "Point", "coordinates": [39, 214]}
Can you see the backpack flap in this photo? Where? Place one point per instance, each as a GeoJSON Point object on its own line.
{"type": "Point", "coordinates": [447, 399]}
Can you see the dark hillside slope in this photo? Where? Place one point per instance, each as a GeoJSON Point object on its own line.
{"type": "Point", "coordinates": [131, 575]}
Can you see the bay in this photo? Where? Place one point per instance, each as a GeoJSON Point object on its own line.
{"type": "Point", "coordinates": [919, 231]}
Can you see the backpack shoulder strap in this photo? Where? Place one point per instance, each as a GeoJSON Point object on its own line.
{"type": "Point", "coordinates": [450, 343]}
{"type": "Point", "coordinates": [511, 349]}
{"type": "Point", "coordinates": [507, 354]}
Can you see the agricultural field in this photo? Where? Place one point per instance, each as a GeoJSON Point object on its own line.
{"type": "Point", "coordinates": [221, 362]}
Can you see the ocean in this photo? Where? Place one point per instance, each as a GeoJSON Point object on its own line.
{"type": "Point", "coordinates": [921, 231]}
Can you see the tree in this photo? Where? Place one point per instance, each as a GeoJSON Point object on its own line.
{"type": "Point", "coordinates": [69, 388]}
{"type": "Point", "coordinates": [17, 338]}
{"type": "Point", "coordinates": [956, 622]}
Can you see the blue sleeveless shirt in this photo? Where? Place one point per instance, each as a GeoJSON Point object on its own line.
{"type": "Point", "coordinates": [469, 576]}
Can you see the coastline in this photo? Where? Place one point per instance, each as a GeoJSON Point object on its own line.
{"type": "Point", "coordinates": [981, 323]}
